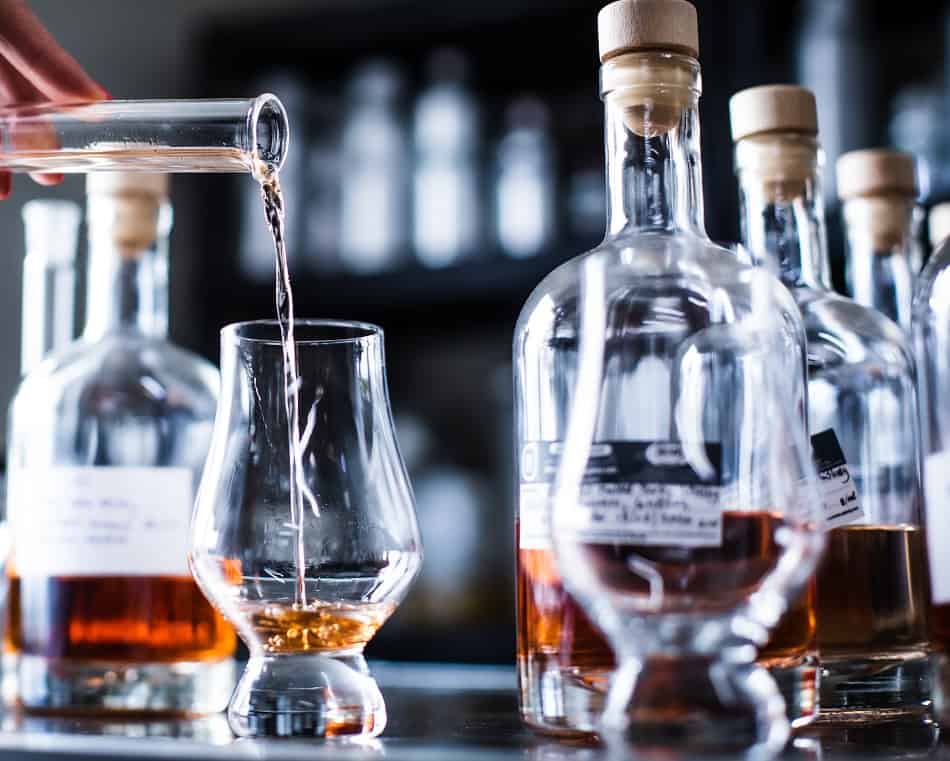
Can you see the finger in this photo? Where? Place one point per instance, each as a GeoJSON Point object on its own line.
{"type": "Point", "coordinates": [26, 44]}
{"type": "Point", "coordinates": [27, 136]}
{"type": "Point", "coordinates": [6, 185]}
{"type": "Point", "coordinates": [46, 179]}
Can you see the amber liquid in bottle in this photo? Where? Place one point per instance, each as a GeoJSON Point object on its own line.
{"type": "Point", "coordinates": [554, 634]}
{"type": "Point", "coordinates": [873, 593]}
{"type": "Point", "coordinates": [127, 619]}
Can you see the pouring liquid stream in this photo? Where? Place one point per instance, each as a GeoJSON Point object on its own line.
{"type": "Point", "coordinates": [274, 213]}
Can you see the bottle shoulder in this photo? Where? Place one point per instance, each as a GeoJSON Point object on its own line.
{"type": "Point", "coordinates": [840, 331]}
{"type": "Point", "coordinates": [675, 271]}
{"type": "Point", "coordinates": [932, 293]}
{"type": "Point", "coordinates": [119, 369]}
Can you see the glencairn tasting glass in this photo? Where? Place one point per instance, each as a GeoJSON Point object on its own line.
{"type": "Point", "coordinates": [872, 583]}
{"type": "Point", "coordinates": [305, 593]}
{"type": "Point", "coordinates": [878, 190]}
{"type": "Point", "coordinates": [688, 567]}
{"type": "Point", "coordinates": [682, 367]}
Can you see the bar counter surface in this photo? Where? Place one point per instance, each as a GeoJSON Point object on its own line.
{"type": "Point", "coordinates": [436, 712]}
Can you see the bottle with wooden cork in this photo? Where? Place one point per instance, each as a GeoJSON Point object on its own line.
{"type": "Point", "coordinates": [107, 441]}
{"type": "Point", "coordinates": [878, 190]}
{"type": "Point", "coordinates": [675, 301]}
{"type": "Point", "coordinates": [872, 584]}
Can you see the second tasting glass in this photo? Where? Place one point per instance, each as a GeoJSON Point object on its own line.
{"type": "Point", "coordinates": [305, 597]}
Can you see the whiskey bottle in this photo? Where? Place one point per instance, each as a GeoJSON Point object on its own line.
{"type": "Point", "coordinates": [872, 626]}
{"type": "Point", "coordinates": [931, 329]}
{"type": "Point", "coordinates": [878, 190]}
{"type": "Point", "coordinates": [872, 584]}
{"type": "Point", "coordinates": [778, 164]}
{"type": "Point", "coordinates": [107, 441]}
{"type": "Point", "coordinates": [668, 289]}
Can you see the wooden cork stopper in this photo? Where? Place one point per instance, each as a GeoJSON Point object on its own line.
{"type": "Point", "coordinates": [651, 89]}
{"type": "Point", "coordinates": [884, 220]}
{"type": "Point", "coordinates": [134, 207]}
{"type": "Point", "coordinates": [875, 172]}
{"type": "Point", "coordinates": [628, 26]}
{"type": "Point", "coordinates": [938, 224]}
{"type": "Point", "coordinates": [773, 108]}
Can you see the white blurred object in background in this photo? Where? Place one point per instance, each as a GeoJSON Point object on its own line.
{"type": "Point", "coordinates": [51, 232]}
{"type": "Point", "coordinates": [525, 181]}
{"type": "Point", "coordinates": [375, 170]}
{"type": "Point", "coordinates": [447, 213]}
{"type": "Point", "coordinates": [938, 224]}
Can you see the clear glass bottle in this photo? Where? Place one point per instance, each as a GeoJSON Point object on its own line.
{"type": "Point", "coordinates": [525, 181]}
{"type": "Point", "coordinates": [872, 585]}
{"type": "Point", "coordinates": [375, 181]}
{"type": "Point", "coordinates": [51, 232]}
{"type": "Point", "coordinates": [932, 348]}
{"type": "Point", "coordinates": [878, 189]}
{"type": "Point", "coordinates": [667, 283]}
{"type": "Point", "coordinates": [447, 211]}
{"type": "Point", "coordinates": [107, 442]}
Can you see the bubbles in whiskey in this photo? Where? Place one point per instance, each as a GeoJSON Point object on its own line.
{"type": "Point", "coordinates": [320, 627]}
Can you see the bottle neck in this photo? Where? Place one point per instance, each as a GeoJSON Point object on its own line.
{"type": "Point", "coordinates": [883, 253]}
{"type": "Point", "coordinates": [127, 290]}
{"type": "Point", "coordinates": [782, 214]}
{"type": "Point", "coordinates": [654, 171]}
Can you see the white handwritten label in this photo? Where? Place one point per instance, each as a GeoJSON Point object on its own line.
{"type": "Point", "coordinates": [841, 503]}
{"type": "Point", "coordinates": [937, 492]}
{"type": "Point", "coordinates": [648, 493]}
{"type": "Point", "coordinates": [105, 521]}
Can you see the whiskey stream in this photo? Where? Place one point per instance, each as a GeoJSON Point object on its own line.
{"type": "Point", "coordinates": [274, 213]}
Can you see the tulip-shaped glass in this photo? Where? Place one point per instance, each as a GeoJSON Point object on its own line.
{"type": "Point", "coordinates": [690, 564]}
{"type": "Point", "coordinates": [305, 596]}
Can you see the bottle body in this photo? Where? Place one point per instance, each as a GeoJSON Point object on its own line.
{"type": "Point", "coordinates": [107, 442]}
{"type": "Point", "coordinates": [873, 582]}
{"type": "Point", "coordinates": [932, 344]}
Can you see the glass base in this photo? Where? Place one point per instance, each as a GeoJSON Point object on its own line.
{"type": "Point", "coordinates": [695, 704]}
{"type": "Point", "coordinates": [884, 688]}
{"type": "Point", "coordinates": [307, 695]}
{"type": "Point", "coordinates": [558, 701]}
{"type": "Point", "coordinates": [102, 687]}
{"type": "Point", "coordinates": [798, 685]}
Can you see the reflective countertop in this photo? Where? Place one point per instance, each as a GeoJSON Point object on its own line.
{"type": "Point", "coordinates": [467, 713]}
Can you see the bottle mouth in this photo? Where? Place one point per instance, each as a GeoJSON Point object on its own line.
{"type": "Point", "coordinates": [269, 130]}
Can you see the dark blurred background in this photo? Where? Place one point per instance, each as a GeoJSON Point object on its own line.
{"type": "Point", "coordinates": [445, 157]}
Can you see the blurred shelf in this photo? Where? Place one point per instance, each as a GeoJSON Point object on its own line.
{"type": "Point", "coordinates": [495, 279]}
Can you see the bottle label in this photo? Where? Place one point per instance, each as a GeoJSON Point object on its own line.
{"type": "Point", "coordinates": [840, 503]}
{"type": "Point", "coordinates": [101, 521]}
{"type": "Point", "coordinates": [647, 493]}
{"type": "Point", "coordinates": [937, 492]}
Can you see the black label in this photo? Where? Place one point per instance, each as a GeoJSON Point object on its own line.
{"type": "Point", "coordinates": [642, 462]}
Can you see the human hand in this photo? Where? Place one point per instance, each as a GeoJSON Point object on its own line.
{"type": "Point", "coordinates": [35, 69]}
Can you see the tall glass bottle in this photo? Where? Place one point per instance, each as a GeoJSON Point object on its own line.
{"type": "Point", "coordinates": [107, 442]}
{"type": "Point", "coordinates": [782, 225]}
{"type": "Point", "coordinates": [872, 585]}
{"type": "Point", "coordinates": [51, 230]}
{"type": "Point", "coordinates": [668, 288]}
{"type": "Point", "coordinates": [932, 348]}
{"type": "Point", "coordinates": [878, 189]}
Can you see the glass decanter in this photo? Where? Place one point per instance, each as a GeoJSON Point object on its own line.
{"type": "Point", "coordinates": [688, 565]}
{"type": "Point", "coordinates": [669, 289]}
{"type": "Point", "coordinates": [305, 597]}
{"type": "Point", "coordinates": [872, 585]}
